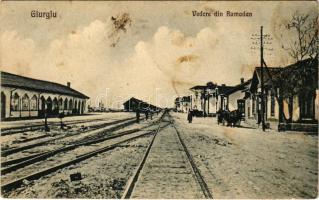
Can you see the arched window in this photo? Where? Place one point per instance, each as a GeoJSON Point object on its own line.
{"type": "Point", "coordinates": [49, 104]}
{"type": "Point", "coordinates": [42, 104]}
{"type": "Point", "coordinates": [61, 104]}
{"type": "Point", "coordinates": [55, 104]}
{"type": "Point", "coordinates": [34, 103]}
{"type": "Point", "coordinates": [65, 104]}
{"type": "Point", "coordinates": [15, 102]}
{"type": "Point", "coordinates": [70, 104]}
{"type": "Point", "coordinates": [25, 102]}
{"type": "Point", "coordinates": [3, 105]}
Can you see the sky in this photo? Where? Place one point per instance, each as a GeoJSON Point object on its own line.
{"type": "Point", "coordinates": [158, 54]}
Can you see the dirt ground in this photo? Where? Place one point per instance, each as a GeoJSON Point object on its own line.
{"type": "Point", "coordinates": [103, 176]}
{"type": "Point", "coordinates": [248, 163]}
{"type": "Point", "coordinates": [234, 162]}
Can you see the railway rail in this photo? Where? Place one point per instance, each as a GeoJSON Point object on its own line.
{"type": "Point", "coordinates": [154, 172]}
{"type": "Point", "coordinates": [26, 137]}
{"type": "Point", "coordinates": [9, 151]}
{"type": "Point", "coordinates": [122, 137]}
{"type": "Point", "coordinates": [195, 169]}
{"type": "Point", "coordinates": [40, 125]}
{"type": "Point", "coordinates": [100, 136]}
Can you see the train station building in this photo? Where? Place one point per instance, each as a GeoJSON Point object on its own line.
{"type": "Point", "coordinates": [134, 104]}
{"type": "Point", "coordinates": [24, 97]}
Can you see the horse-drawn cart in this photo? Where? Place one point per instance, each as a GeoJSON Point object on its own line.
{"type": "Point", "coordinates": [230, 118]}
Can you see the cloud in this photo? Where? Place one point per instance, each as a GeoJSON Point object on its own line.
{"type": "Point", "coordinates": [164, 66]}
{"type": "Point", "coordinates": [180, 57]}
{"type": "Point", "coordinates": [156, 70]}
{"type": "Point", "coordinates": [16, 52]}
{"type": "Point", "coordinates": [189, 60]}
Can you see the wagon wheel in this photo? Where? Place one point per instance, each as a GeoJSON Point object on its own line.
{"type": "Point", "coordinates": [223, 122]}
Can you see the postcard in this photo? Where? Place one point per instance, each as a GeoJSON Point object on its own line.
{"type": "Point", "coordinates": [159, 99]}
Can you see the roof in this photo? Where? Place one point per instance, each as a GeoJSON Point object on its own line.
{"type": "Point", "coordinates": [311, 62]}
{"type": "Point", "coordinates": [300, 77]}
{"type": "Point", "coordinates": [287, 75]}
{"type": "Point", "coordinates": [238, 87]}
{"type": "Point", "coordinates": [199, 87]}
{"type": "Point", "coordinates": [203, 87]}
{"type": "Point", "coordinates": [273, 71]}
{"type": "Point", "coordinates": [17, 81]}
{"type": "Point", "coordinates": [133, 99]}
{"type": "Point", "coordinates": [223, 89]}
{"type": "Point", "coordinates": [142, 103]}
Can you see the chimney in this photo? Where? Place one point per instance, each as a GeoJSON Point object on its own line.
{"type": "Point", "coordinates": [68, 84]}
{"type": "Point", "coordinates": [242, 80]}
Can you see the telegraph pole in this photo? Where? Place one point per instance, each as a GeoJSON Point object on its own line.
{"type": "Point", "coordinates": [262, 79]}
{"type": "Point", "coordinates": [263, 39]}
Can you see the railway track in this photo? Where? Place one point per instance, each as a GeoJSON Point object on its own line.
{"type": "Point", "coordinates": [26, 137]}
{"type": "Point", "coordinates": [39, 125]}
{"type": "Point", "coordinates": [167, 168]}
{"type": "Point", "coordinates": [9, 151]}
{"type": "Point", "coordinates": [13, 165]}
{"type": "Point", "coordinates": [112, 142]}
{"type": "Point", "coordinates": [95, 136]}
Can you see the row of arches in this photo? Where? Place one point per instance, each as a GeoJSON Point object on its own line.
{"type": "Point", "coordinates": [26, 103]}
{"type": "Point", "coordinates": [50, 105]}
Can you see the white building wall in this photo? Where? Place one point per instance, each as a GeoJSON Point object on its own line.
{"type": "Point", "coordinates": [7, 91]}
{"type": "Point", "coordinates": [295, 109]}
{"type": "Point", "coordinates": [220, 104]}
{"type": "Point", "coordinates": [196, 102]}
{"type": "Point", "coordinates": [185, 106]}
{"type": "Point", "coordinates": [211, 104]}
{"type": "Point", "coordinates": [232, 99]}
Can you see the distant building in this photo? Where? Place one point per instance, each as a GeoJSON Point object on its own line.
{"type": "Point", "coordinates": [133, 104]}
{"type": "Point", "coordinates": [204, 99]}
{"type": "Point", "coordinates": [23, 97]}
{"type": "Point", "coordinates": [222, 96]}
{"type": "Point", "coordinates": [177, 103]}
{"type": "Point", "coordinates": [183, 104]}
{"type": "Point", "coordinates": [254, 101]}
{"type": "Point", "coordinates": [236, 96]}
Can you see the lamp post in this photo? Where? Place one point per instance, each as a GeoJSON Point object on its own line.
{"type": "Point", "coordinates": [262, 79]}
{"type": "Point", "coordinates": [46, 127]}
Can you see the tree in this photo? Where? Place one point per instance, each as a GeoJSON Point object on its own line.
{"type": "Point", "coordinates": [304, 45]}
{"type": "Point", "coordinates": [301, 45]}
{"type": "Point", "coordinates": [300, 79]}
{"type": "Point", "coordinates": [210, 84]}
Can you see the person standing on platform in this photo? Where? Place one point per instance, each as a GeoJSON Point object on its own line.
{"type": "Point", "coordinates": [146, 114]}
{"type": "Point", "coordinates": [190, 116]}
{"type": "Point", "coordinates": [137, 115]}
